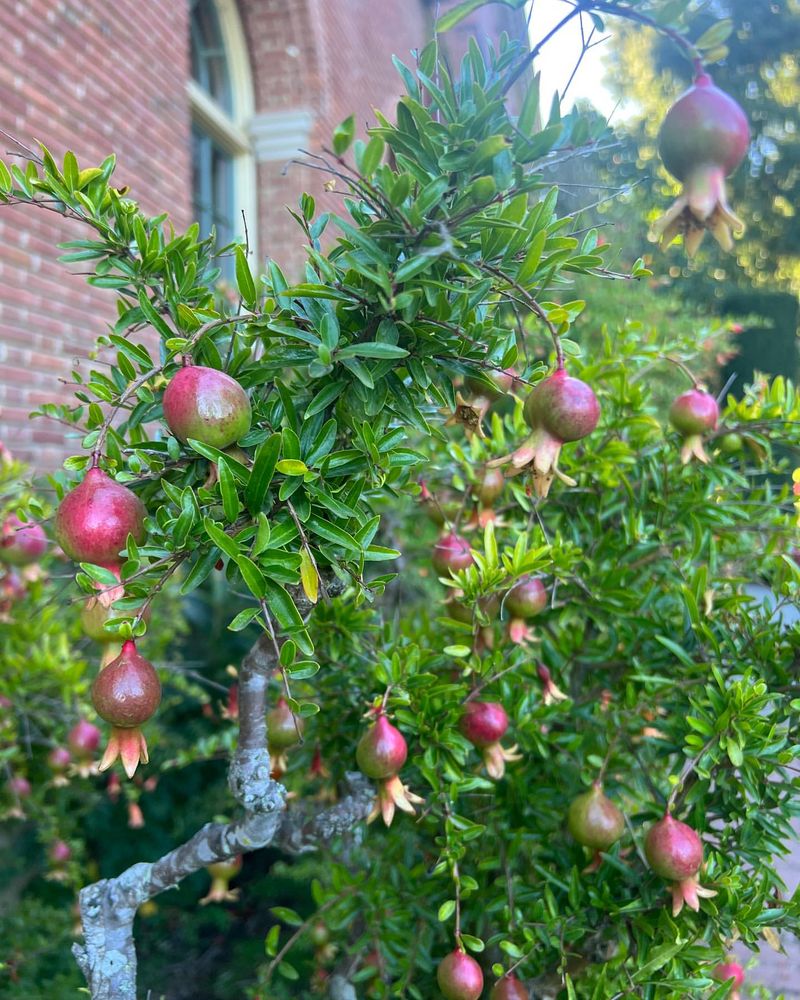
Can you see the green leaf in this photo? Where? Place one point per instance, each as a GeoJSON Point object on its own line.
{"type": "Point", "coordinates": [283, 607]}
{"type": "Point", "coordinates": [221, 539]}
{"type": "Point", "coordinates": [227, 486]}
{"type": "Point", "coordinates": [446, 910]}
{"type": "Point", "coordinates": [244, 280]}
{"type": "Point", "coordinates": [343, 135]}
{"type": "Point", "coordinates": [252, 576]}
{"type": "Point", "coordinates": [332, 533]}
{"type": "Point", "coordinates": [372, 156]}
{"type": "Point", "coordinates": [372, 349]}
{"type": "Point", "coordinates": [462, 10]}
{"type": "Point", "coordinates": [264, 464]}
{"type": "Point", "coordinates": [243, 619]}
{"type": "Point", "coordinates": [292, 467]}
{"type": "Point", "coordinates": [286, 915]}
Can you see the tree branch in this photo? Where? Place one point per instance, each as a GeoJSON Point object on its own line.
{"type": "Point", "coordinates": [107, 957]}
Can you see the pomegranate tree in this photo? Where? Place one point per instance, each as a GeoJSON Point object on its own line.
{"type": "Point", "coordinates": [703, 139]}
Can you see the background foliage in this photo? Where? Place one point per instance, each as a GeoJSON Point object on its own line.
{"type": "Point", "coordinates": [453, 257]}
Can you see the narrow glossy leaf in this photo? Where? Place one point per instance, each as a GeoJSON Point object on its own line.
{"type": "Point", "coordinates": [266, 459]}
{"type": "Point", "coordinates": [308, 575]}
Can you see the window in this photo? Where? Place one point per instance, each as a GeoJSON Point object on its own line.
{"type": "Point", "coordinates": [221, 101]}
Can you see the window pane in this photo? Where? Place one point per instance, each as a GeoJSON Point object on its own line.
{"type": "Point", "coordinates": [209, 62]}
{"type": "Point", "coordinates": [212, 192]}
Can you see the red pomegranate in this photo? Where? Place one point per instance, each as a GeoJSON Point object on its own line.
{"type": "Point", "coordinates": [484, 723]}
{"type": "Point", "coordinates": [21, 542]}
{"type": "Point", "coordinates": [558, 409]}
{"type": "Point", "coordinates": [94, 520]}
{"type": "Point", "coordinates": [509, 988]}
{"type": "Point", "coordinates": [380, 754]}
{"type": "Point", "coordinates": [594, 820]}
{"type": "Point", "coordinates": [451, 554]}
{"type": "Point", "coordinates": [692, 414]}
{"type": "Point", "coordinates": [59, 759]}
{"type": "Point", "coordinates": [703, 139]}
{"type": "Point", "coordinates": [727, 971]}
{"type": "Point", "coordinates": [126, 693]}
{"type": "Point", "coordinates": [206, 405]}
{"type": "Point", "coordinates": [84, 739]}
{"type": "Point", "coordinates": [59, 852]}
{"type": "Point", "coordinates": [19, 786]}
{"type": "Point", "coordinates": [459, 976]}
{"type": "Point", "coordinates": [527, 598]}
{"type": "Point", "coordinates": [675, 852]}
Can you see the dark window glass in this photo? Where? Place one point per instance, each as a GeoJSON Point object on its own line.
{"type": "Point", "coordinates": [209, 63]}
{"type": "Point", "coordinates": [212, 191]}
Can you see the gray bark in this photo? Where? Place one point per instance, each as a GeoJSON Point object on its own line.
{"type": "Point", "coordinates": [107, 956]}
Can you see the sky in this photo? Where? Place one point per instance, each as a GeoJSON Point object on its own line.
{"type": "Point", "coordinates": [559, 56]}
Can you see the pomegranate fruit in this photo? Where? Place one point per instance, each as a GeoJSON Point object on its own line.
{"type": "Point", "coordinates": [509, 988]}
{"type": "Point", "coordinates": [558, 409]}
{"type": "Point", "coordinates": [727, 971]}
{"type": "Point", "coordinates": [594, 820]}
{"type": "Point", "coordinates": [484, 723]}
{"type": "Point", "coordinates": [692, 414]}
{"type": "Point", "coordinates": [380, 755]}
{"type": "Point", "coordinates": [59, 852]}
{"type": "Point", "coordinates": [451, 554]}
{"type": "Point", "coordinates": [84, 739]}
{"type": "Point", "coordinates": [126, 693]}
{"type": "Point", "coordinates": [206, 405]}
{"type": "Point", "coordinates": [459, 976]}
{"type": "Point", "coordinates": [19, 786]}
{"type": "Point", "coordinates": [527, 598]}
{"type": "Point", "coordinates": [490, 487]}
{"type": "Point", "coordinates": [495, 383]}
{"type": "Point", "coordinates": [284, 730]}
{"type": "Point", "coordinates": [675, 852]}
{"type": "Point", "coordinates": [58, 761]}
{"type": "Point", "coordinates": [221, 873]}
{"type": "Point", "coordinates": [703, 139]}
{"type": "Point", "coordinates": [21, 542]}
{"type": "Point", "coordinates": [94, 520]}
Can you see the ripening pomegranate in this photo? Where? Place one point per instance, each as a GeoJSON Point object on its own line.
{"type": "Point", "coordinates": [21, 542]}
{"type": "Point", "coordinates": [459, 976]}
{"type": "Point", "coordinates": [692, 414]}
{"type": "Point", "coordinates": [58, 761]}
{"type": "Point", "coordinates": [490, 486]}
{"type": "Point", "coordinates": [380, 754]}
{"type": "Point", "coordinates": [94, 520]}
{"type": "Point", "coordinates": [59, 852]}
{"type": "Point", "coordinates": [558, 409]}
{"type": "Point", "coordinates": [284, 730]}
{"type": "Point", "coordinates": [126, 693]}
{"type": "Point", "coordinates": [675, 852]}
{"type": "Point", "coordinates": [484, 723]}
{"type": "Point", "coordinates": [502, 382]}
{"type": "Point", "coordinates": [527, 598]}
{"type": "Point", "coordinates": [84, 739]}
{"type": "Point", "coordinates": [451, 554]}
{"type": "Point", "coordinates": [509, 988]}
{"type": "Point", "coordinates": [206, 405]}
{"type": "Point", "coordinates": [703, 139]}
{"type": "Point", "coordinates": [221, 873]}
{"type": "Point", "coordinates": [727, 971]}
{"type": "Point", "coordinates": [594, 820]}
{"type": "Point", "coordinates": [19, 786]}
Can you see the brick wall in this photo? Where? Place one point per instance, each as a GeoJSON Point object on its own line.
{"type": "Point", "coordinates": [95, 78]}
